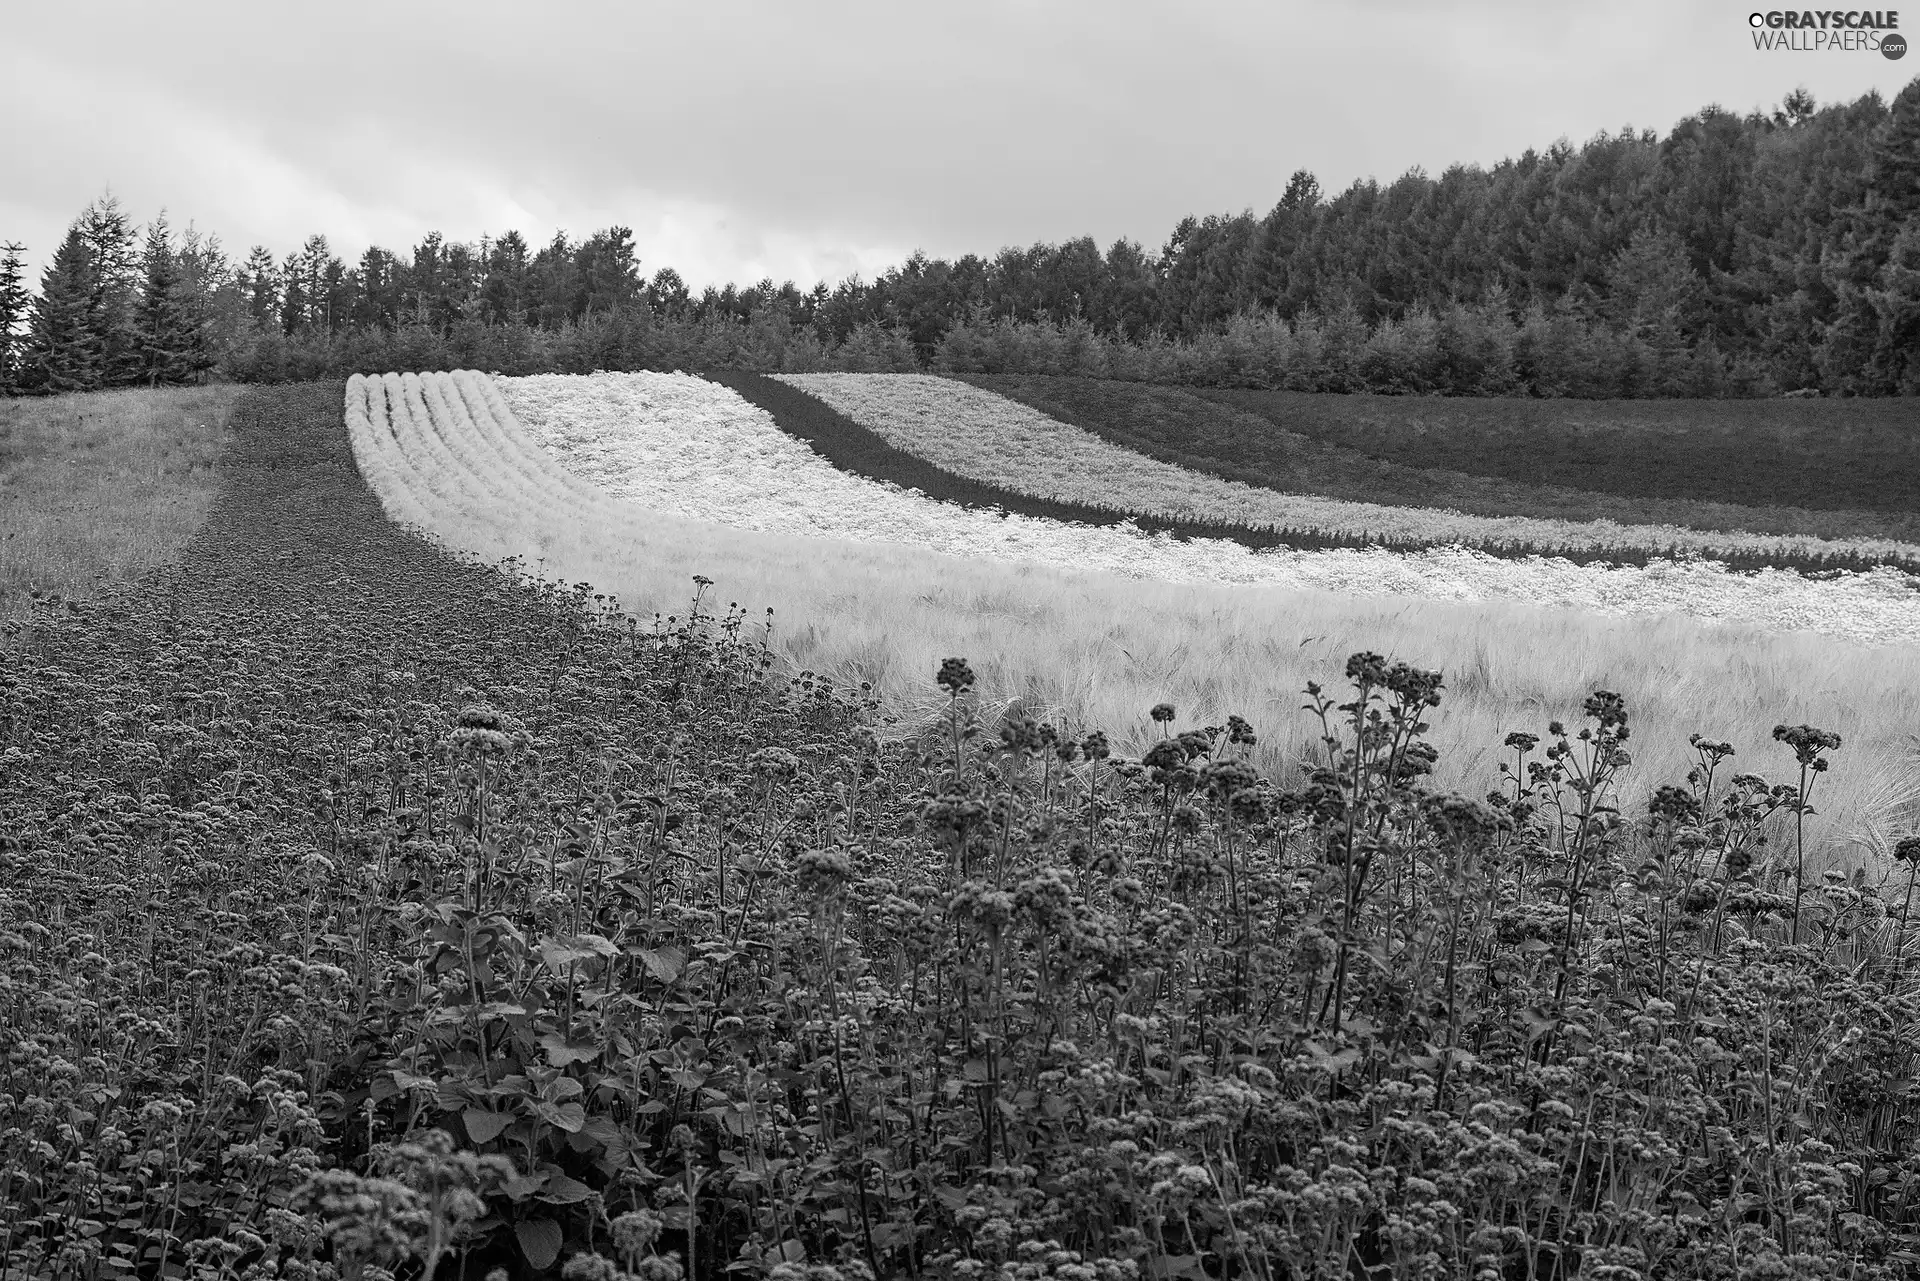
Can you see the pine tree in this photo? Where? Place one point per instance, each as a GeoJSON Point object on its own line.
{"type": "Point", "coordinates": [115, 265]}
{"type": "Point", "coordinates": [293, 298]}
{"type": "Point", "coordinates": [13, 309]}
{"type": "Point", "coordinates": [260, 285]}
{"type": "Point", "coordinates": [63, 349]}
{"type": "Point", "coordinates": [163, 339]}
{"type": "Point", "coordinates": [213, 302]}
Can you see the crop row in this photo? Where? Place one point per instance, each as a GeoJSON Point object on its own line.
{"type": "Point", "coordinates": [995, 440]}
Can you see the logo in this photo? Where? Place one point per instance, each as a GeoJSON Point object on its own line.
{"type": "Point", "coordinates": [1824, 30]}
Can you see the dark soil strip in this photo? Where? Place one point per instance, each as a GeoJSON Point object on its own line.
{"type": "Point", "coordinates": [863, 452]}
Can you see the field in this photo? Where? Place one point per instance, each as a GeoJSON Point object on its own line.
{"type": "Point", "coordinates": [1824, 455]}
{"type": "Point", "coordinates": [373, 910]}
{"type": "Point", "coordinates": [1827, 469]}
{"type": "Point", "coordinates": [102, 487]}
{"type": "Point", "coordinates": [876, 586]}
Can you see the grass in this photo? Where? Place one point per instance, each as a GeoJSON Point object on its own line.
{"type": "Point", "coordinates": [1100, 649]}
{"type": "Point", "coordinates": [1842, 469]}
{"type": "Point", "coordinates": [98, 488]}
{"type": "Point", "coordinates": [370, 912]}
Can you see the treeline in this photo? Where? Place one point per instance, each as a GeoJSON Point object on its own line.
{"type": "Point", "coordinates": [117, 307]}
{"type": "Point", "coordinates": [1737, 255]}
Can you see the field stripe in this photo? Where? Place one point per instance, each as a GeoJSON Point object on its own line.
{"type": "Point", "coordinates": [998, 441]}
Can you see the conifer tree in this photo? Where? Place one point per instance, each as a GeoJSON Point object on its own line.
{"type": "Point", "coordinates": [63, 349]}
{"type": "Point", "coordinates": [212, 300]}
{"type": "Point", "coordinates": [260, 285]}
{"type": "Point", "coordinates": [13, 309]}
{"type": "Point", "coordinates": [115, 266]}
{"type": "Point", "coordinates": [162, 326]}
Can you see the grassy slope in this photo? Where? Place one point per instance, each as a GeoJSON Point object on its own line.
{"type": "Point", "coordinates": [1342, 447]}
{"type": "Point", "coordinates": [103, 486]}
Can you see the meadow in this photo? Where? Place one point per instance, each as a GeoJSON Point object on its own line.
{"type": "Point", "coordinates": [372, 909]}
{"type": "Point", "coordinates": [99, 488]}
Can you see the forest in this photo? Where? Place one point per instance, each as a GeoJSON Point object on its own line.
{"type": "Point", "coordinates": [1736, 255]}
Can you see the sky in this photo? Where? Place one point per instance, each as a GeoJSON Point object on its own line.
{"type": "Point", "coordinates": [809, 139]}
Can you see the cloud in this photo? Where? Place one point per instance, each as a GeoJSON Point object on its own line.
{"type": "Point", "coordinates": [740, 139]}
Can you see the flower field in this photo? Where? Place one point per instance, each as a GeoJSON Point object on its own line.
{"type": "Point", "coordinates": [868, 603]}
{"type": "Point", "coordinates": [369, 911]}
{"type": "Point", "coordinates": [988, 437]}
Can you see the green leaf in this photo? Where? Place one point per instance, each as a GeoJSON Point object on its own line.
{"type": "Point", "coordinates": [502, 1010]}
{"type": "Point", "coordinates": [562, 1190]}
{"type": "Point", "coordinates": [540, 1241]}
{"type": "Point", "coordinates": [484, 1126]}
{"type": "Point", "coordinates": [560, 952]}
{"type": "Point", "coordinates": [562, 1116]}
{"type": "Point", "coordinates": [562, 1052]}
{"type": "Point", "coordinates": [665, 964]}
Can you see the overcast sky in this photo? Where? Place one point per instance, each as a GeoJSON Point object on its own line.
{"type": "Point", "coordinates": [806, 139]}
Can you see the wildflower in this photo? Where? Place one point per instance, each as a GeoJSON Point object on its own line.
{"type": "Point", "coordinates": [1161, 713]}
{"type": "Point", "coordinates": [1366, 668]}
{"type": "Point", "coordinates": [636, 1231]}
{"type": "Point", "coordinates": [1807, 743]}
{"type": "Point", "coordinates": [1463, 820]}
{"type": "Point", "coordinates": [656, 1267]}
{"type": "Point", "coordinates": [589, 1267]}
{"type": "Point", "coordinates": [954, 676]}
